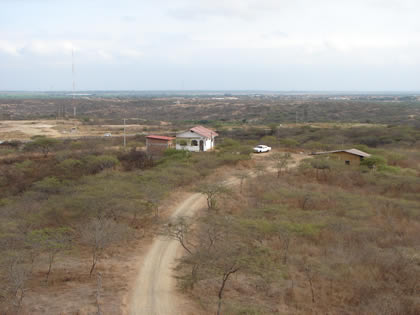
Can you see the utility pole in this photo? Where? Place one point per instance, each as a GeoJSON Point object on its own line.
{"type": "Point", "coordinates": [125, 140]}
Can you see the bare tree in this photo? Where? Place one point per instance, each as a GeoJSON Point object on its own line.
{"type": "Point", "coordinates": [98, 293]}
{"type": "Point", "coordinates": [223, 260]}
{"type": "Point", "coordinates": [309, 270]}
{"type": "Point", "coordinates": [14, 288]}
{"type": "Point", "coordinates": [241, 175]}
{"type": "Point", "coordinates": [217, 253]}
{"type": "Point", "coordinates": [153, 195]}
{"type": "Point", "coordinates": [260, 169]}
{"type": "Point", "coordinates": [178, 230]}
{"type": "Point", "coordinates": [212, 192]}
{"type": "Point", "coordinates": [281, 161]}
{"type": "Point", "coordinates": [227, 273]}
{"type": "Point", "coordinates": [140, 209]}
{"type": "Point", "coordinates": [98, 234]}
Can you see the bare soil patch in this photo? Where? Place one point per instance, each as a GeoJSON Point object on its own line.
{"type": "Point", "coordinates": [25, 129]}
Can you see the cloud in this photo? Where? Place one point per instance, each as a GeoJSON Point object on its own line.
{"type": "Point", "coordinates": [105, 55]}
{"type": "Point", "coordinates": [8, 48]}
{"type": "Point", "coordinates": [128, 19]}
{"type": "Point", "coordinates": [48, 47]}
{"type": "Point", "coordinates": [227, 35]}
{"type": "Point", "coordinates": [131, 53]}
{"type": "Point", "coordinates": [207, 9]}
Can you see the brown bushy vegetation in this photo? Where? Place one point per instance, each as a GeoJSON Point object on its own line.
{"type": "Point", "coordinates": [204, 110]}
{"type": "Point", "coordinates": [77, 202]}
{"type": "Point", "coordinates": [321, 238]}
{"type": "Point", "coordinates": [330, 138]}
{"type": "Point", "coordinates": [336, 240]}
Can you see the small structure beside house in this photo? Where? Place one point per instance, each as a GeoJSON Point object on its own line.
{"type": "Point", "coordinates": [350, 157]}
{"type": "Point", "coordinates": [196, 139]}
{"type": "Point", "coordinates": [156, 145]}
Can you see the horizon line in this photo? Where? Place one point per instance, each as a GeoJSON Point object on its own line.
{"type": "Point", "coordinates": [212, 90]}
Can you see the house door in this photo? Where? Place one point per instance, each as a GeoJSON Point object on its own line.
{"type": "Point", "coordinates": [201, 145]}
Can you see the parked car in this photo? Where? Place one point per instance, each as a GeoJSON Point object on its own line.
{"type": "Point", "coordinates": [108, 134]}
{"type": "Point", "coordinates": [262, 148]}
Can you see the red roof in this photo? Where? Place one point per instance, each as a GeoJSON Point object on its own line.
{"type": "Point", "coordinates": [203, 131]}
{"type": "Point", "coordinates": [160, 137]}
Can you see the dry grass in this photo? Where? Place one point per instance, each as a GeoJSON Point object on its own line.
{"type": "Point", "coordinates": [25, 129]}
{"type": "Point", "coordinates": [351, 245]}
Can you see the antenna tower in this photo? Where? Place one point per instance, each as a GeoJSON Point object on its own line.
{"type": "Point", "coordinates": [74, 81]}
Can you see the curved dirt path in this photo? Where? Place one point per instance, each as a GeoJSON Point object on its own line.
{"type": "Point", "coordinates": [155, 288]}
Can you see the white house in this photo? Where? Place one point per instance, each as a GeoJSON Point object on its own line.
{"type": "Point", "coordinates": [196, 139]}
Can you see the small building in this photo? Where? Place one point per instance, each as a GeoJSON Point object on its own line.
{"type": "Point", "coordinates": [350, 157]}
{"type": "Point", "coordinates": [156, 145]}
{"type": "Point", "coordinates": [196, 139]}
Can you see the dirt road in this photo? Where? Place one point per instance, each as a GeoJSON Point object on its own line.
{"type": "Point", "coordinates": [155, 288]}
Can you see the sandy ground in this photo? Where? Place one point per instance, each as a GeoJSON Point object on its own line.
{"type": "Point", "coordinates": [16, 130]}
{"type": "Point", "coordinates": [25, 129]}
{"type": "Point", "coordinates": [154, 290]}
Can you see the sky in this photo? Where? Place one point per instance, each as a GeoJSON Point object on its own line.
{"type": "Point", "coordinates": [281, 45]}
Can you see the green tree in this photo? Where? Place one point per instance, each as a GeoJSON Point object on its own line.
{"type": "Point", "coordinates": [42, 144]}
{"type": "Point", "coordinates": [48, 185]}
{"type": "Point", "coordinates": [70, 167]}
{"type": "Point", "coordinates": [96, 164]}
{"type": "Point", "coordinates": [288, 142]}
{"type": "Point", "coordinates": [51, 240]}
{"type": "Point", "coordinates": [373, 162]}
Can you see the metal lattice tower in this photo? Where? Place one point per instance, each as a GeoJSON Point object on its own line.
{"type": "Point", "coordinates": [74, 81]}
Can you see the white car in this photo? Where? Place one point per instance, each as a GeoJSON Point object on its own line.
{"type": "Point", "coordinates": [108, 134]}
{"type": "Point", "coordinates": [262, 148]}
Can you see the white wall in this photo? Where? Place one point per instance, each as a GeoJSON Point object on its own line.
{"type": "Point", "coordinates": [189, 136]}
{"type": "Point", "coordinates": [188, 148]}
{"type": "Point", "coordinates": [208, 145]}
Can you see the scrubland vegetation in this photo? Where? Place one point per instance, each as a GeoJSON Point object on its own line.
{"type": "Point", "coordinates": [321, 237]}
{"type": "Point", "coordinates": [80, 199]}
{"type": "Point", "coordinates": [263, 109]}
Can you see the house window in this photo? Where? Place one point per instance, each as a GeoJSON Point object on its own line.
{"type": "Point", "coordinates": [347, 162]}
{"type": "Point", "coordinates": [182, 143]}
{"type": "Point", "coordinates": [194, 143]}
